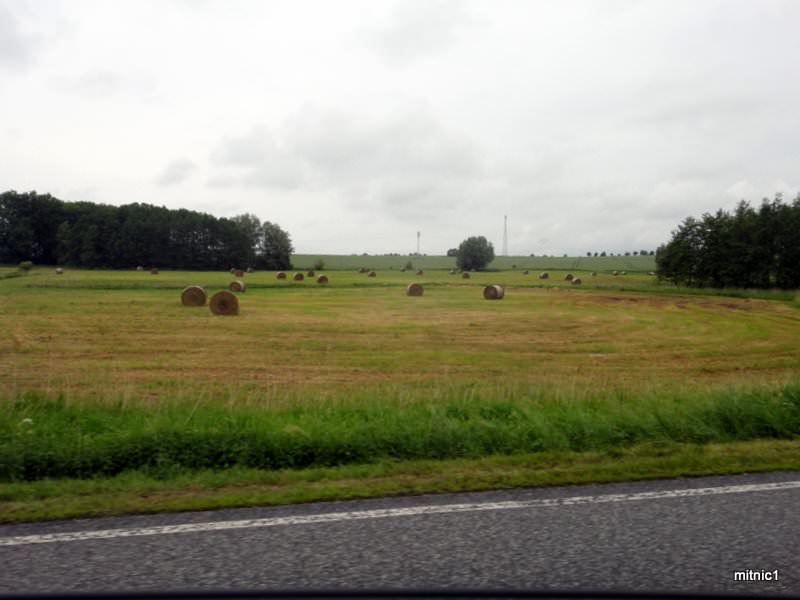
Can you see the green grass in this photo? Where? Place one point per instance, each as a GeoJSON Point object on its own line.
{"type": "Point", "coordinates": [44, 437]}
{"type": "Point", "coordinates": [142, 492]}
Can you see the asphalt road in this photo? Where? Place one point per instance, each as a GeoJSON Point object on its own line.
{"type": "Point", "coordinates": [681, 534]}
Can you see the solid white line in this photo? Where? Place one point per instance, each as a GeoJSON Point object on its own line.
{"type": "Point", "coordinates": [389, 512]}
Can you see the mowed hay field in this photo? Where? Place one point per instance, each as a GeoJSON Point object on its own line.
{"type": "Point", "coordinates": [106, 335]}
{"type": "Point", "coordinates": [105, 373]}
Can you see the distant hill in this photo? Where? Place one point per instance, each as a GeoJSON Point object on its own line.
{"type": "Point", "coordinates": [341, 262]}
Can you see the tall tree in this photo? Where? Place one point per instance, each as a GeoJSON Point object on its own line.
{"type": "Point", "coordinates": [275, 251]}
{"type": "Point", "coordinates": [474, 253]}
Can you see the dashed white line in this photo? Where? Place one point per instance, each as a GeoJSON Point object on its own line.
{"type": "Point", "coordinates": [389, 512]}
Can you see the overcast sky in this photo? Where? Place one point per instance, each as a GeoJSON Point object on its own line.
{"type": "Point", "coordinates": [594, 125]}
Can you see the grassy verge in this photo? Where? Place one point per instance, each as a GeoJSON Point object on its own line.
{"type": "Point", "coordinates": [43, 437]}
{"type": "Point", "coordinates": [137, 492]}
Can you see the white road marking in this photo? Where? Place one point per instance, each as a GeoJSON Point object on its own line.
{"type": "Point", "coordinates": [389, 512]}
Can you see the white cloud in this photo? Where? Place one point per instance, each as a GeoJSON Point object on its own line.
{"type": "Point", "coordinates": [414, 29]}
{"type": "Point", "coordinates": [176, 172]}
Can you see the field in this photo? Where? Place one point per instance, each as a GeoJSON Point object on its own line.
{"type": "Point", "coordinates": [114, 397]}
{"type": "Point", "coordinates": [643, 264]}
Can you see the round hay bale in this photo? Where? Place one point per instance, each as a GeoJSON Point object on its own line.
{"type": "Point", "coordinates": [544, 275]}
{"type": "Point", "coordinates": [403, 270]}
{"type": "Point", "coordinates": [623, 273]}
{"type": "Point", "coordinates": [238, 273]}
{"type": "Point", "coordinates": [298, 277]}
{"type": "Point", "coordinates": [311, 273]}
{"type": "Point", "coordinates": [281, 275]}
{"type": "Point", "coordinates": [494, 292]}
{"type": "Point", "coordinates": [453, 271]}
{"type": "Point", "coordinates": [569, 277]}
{"type": "Point", "coordinates": [236, 286]}
{"type": "Point", "coordinates": [372, 274]}
{"type": "Point", "coordinates": [652, 273]}
{"type": "Point", "coordinates": [322, 279]}
{"type": "Point", "coordinates": [615, 273]}
{"type": "Point", "coordinates": [59, 271]}
{"type": "Point", "coordinates": [224, 303]}
{"type": "Point", "coordinates": [232, 271]}
{"type": "Point", "coordinates": [576, 281]}
{"type": "Point", "coordinates": [464, 275]}
{"type": "Point", "coordinates": [524, 272]}
{"type": "Point", "coordinates": [249, 269]}
{"type": "Point", "coordinates": [153, 271]}
{"type": "Point", "coordinates": [594, 273]}
{"type": "Point", "coordinates": [193, 295]}
{"type": "Point", "coordinates": [420, 272]}
{"type": "Point", "coordinates": [140, 268]}
{"type": "Point", "coordinates": [414, 289]}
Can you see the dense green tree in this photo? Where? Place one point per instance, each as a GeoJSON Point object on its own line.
{"type": "Point", "coordinates": [46, 230]}
{"type": "Point", "coordinates": [474, 253]}
{"type": "Point", "coordinates": [744, 248]}
{"type": "Point", "coordinates": [275, 250]}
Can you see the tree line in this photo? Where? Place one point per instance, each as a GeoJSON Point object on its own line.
{"type": "Point", "coordinates": [46, 230]}
{"type": "Point", "coordinates": [749, 247]}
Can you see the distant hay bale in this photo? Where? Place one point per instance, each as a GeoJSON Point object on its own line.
{"type": "Point", "coordinates": [524, 272]}
{"type": "Point", "coordinates": [568, 277]}
{"type": "Point", "coordinates": [193, 295]}
{"type": "Point", "coordinates": [623, 273]}
{"type": "Point", "coordinates": [232, 271]}
{"type": "Point", "coordinates": [249, 269]}
{"type": "Point", "coordinates": [362, 270]}
{"type": "Point", "coordinates": [544, 275]}
{"type": "Point", "coordinates": [594, 273]}
{"type": "Point", "coordinates": [154, 271]}
{"type": "Point", "coordinates": [464, 275]}
{"type": "Point", "coordinates": [236, 286]}
{"type": "Point", "coordinates": [59, 271]}
{"type": "Point", "coordinates": [311, 273]}
{"type": "Point", "coordinates": [238, 273]}
{"type": "Point", "coordinates": [652, 273]}
{"type": "Point", "coordinates": [576, 281]}
{"type": "Point", "coordinates": [453, 271]}
{"type": "Point", "coordinates": [281, 275]}
{"type": "Point", "coordinates": [322, 279]}
{"type": "Point", "coordinates": [414, 289]}
{"type": "Point", "coordinates": [372, 274]}
{"type": "Point", "coordinates": [615, 273]}
{"type": "Point", "coordinates": [403, 270]}
{"type": "Point", "coordinates": [494, 292]}
{"type": "Point", "coordinates": [420, 272]}
{"type": "Point", "coordinates": [298, 277]}
{"type": "Point", "coordinates": [224, 303]}
{"type": "Point", "coordinates": [140, 268]}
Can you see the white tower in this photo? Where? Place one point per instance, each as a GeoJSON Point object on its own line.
{"type": "Point", "coordinates": [505, 235]}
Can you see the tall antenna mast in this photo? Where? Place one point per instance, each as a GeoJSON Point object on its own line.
{"type": "Point", "coordinates": [418, 234]}
{"type": "Point", "coordinates": [505, 235]}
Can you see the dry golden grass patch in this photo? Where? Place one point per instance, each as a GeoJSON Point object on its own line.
{"type": "Point", "coordinates": [92, 342]}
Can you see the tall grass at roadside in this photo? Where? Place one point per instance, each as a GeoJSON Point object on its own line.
{"type": "Point", "coordinates": [44, 437]}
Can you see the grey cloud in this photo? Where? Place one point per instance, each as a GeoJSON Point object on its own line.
{"type": "Point", "coordinates": [17, 48]}
{"type": "Point", "coordinates": [176, 172]}
{"type": "Point", "coordinates": [416, 29]}
{"type": "Point", "coordinates": [250, 150]}
{"type": "Point", "coordinates": [404, 162]}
